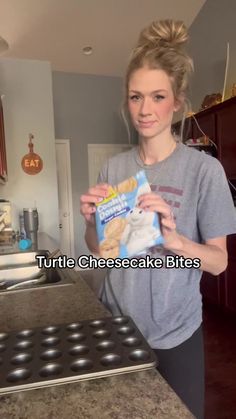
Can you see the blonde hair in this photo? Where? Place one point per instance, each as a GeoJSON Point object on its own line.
{"type": "Point", "coordinates": [161, 46]}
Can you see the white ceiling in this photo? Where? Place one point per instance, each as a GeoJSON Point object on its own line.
{"type": "Point", "coordinates": [57, 30]}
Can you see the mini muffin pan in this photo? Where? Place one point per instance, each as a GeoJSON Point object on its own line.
{"type": "Point", "coordinates": [53, 355]}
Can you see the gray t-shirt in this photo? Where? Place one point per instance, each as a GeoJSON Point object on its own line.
{"type": "Point", "coordinates": [165, 303]}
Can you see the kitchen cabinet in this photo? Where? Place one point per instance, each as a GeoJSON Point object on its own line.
{"type": "Point", "coordinates": [220, 290]}
{"type": "Point", "coordinates": [219, 124]}
{"type": "Point", "coordinates": [207, 123]}
{"type": "Point", "coordinates": [3, 158]}
{"type": "Point", "coordinates": [230, 275]}
{"type": "Point", "coordinates": [210, 288]}
{"type": "Point", "coordinates": [226, 133]}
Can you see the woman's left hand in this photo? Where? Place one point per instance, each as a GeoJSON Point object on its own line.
{"type": "Point", "coordinates": [153, 202]}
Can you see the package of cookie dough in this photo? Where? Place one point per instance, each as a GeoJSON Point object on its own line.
{"type": "Point", "coordinates": [124, 229]}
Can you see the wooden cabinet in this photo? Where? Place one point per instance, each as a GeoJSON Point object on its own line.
{"type": "Point", "coordinates": [3, 157]}
{"type": "Point", "coordinates": [221, 290]}
{"type": "Point", "coordinates": [230, 275]}
{"type": "Point", "coordinates": [210, 288]}
{"type": "Point", "coordinates": [207, 124]}
{"type": "Point", "coordinates": [226, 136]}
{"type": "Point", "coordinates": [219, 124]}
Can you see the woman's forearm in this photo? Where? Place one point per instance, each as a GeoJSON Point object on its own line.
{"type": "Point", "coordinates": [91, 238]}
{"type": "Point", "coordinates": [213, 259]}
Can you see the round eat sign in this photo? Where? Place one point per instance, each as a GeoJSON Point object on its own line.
{"type": "Point", "coordinates": [31, 162]}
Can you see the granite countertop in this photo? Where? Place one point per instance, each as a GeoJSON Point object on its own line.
{"type": "Point", "coordinates": [139, 395]}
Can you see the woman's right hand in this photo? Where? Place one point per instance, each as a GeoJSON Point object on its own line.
{"type": "Point", "coordinates": [90, 198]}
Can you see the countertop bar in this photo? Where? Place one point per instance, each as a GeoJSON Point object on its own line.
{"type": "Point", "coordinates": [139, 395]}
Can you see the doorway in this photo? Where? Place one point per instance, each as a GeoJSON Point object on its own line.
{"type": "Point", "coordinates": [66, 225]}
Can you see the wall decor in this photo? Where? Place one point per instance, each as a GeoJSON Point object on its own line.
{"type": "Point", "coordinates": [31, 163]}
{"type": "Point", "coordinates": [211, 100]}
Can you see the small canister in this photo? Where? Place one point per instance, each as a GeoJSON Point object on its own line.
{"type": "Point", "coordinates": [22, 227]}
{"type": "Point", "coordinates": [25, 244]}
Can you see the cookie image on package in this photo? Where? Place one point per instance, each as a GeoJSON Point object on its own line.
{"type": "Point", "coordinates": [109, 248]}
{"type": "Point", "coordinates": [115, 228]}
{"type": "Point", "coordinates": [127, 186]}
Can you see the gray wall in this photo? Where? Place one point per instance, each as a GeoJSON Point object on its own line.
{"type": "Point", "coordinates": [86, 110]}
{"type": "Point", "coordinates": [28, 107]}
{"type": "Point", "coordinates": [214, 26]}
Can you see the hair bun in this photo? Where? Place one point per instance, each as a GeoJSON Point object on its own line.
{"type": "Point", "coordinates": [164, 33]}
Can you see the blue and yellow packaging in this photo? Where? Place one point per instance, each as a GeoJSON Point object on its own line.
{"type": "Point", "coordinates": [124, 229]}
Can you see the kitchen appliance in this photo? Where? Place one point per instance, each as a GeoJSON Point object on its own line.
{"type": "Point", "coordinates": [5, 223]}
{"type": "Point", "coordinates": [31, 224]}
{"type": "Point", "coordinates": [59, 354]}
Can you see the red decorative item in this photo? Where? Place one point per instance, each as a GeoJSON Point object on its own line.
{"type": "Point", "coordinates": [31, 162]}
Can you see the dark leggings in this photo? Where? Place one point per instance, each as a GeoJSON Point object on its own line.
{"type": "Point", "coordinates": [183, 368]}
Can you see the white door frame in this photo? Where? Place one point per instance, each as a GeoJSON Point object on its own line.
{"type": "Point", "coordinates": [98, 154]}
{"type": "Point", "coordinates": [71, 218]}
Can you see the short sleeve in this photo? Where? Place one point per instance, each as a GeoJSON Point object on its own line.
{"type": "Point", "coordinates": [216, 212]}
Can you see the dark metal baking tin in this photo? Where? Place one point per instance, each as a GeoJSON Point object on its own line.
{"type": "Point", "coordinates": [60, 354]}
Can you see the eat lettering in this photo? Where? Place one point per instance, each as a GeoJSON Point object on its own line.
{"type": "Point", "coordinates": [31, 163]}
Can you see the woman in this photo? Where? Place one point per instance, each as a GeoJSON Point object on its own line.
{"type": "Point", "coordinates": [191, 195]}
